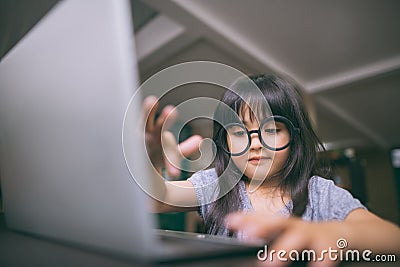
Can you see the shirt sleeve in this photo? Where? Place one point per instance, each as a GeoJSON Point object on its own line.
{"type": "Point", "coordinates": [205, 184]}
{"type": "Point", "coordinates": [330, 202]}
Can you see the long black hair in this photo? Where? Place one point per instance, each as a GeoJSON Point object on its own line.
{"type": "Point", "coordinates": [284, 99]}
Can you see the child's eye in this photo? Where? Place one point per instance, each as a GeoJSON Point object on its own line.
{"type": "Point", "coordinates": [239, 133]}
{"type": "Point", "coordinates": [271, 130]}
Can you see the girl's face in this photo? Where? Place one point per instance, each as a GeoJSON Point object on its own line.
{"type": "Point", "coordinates": [259, 162]}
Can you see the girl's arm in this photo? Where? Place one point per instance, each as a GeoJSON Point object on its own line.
{"type": "Point", "coordinates": [179, 193]}
{"type": "Point", "coordinates": [172, 196]}
{"type": "Point", "coordinates": [361, 230]}
{"type": "Point", "coordinates": [368, 231]}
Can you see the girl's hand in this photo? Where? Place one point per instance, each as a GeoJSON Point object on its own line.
{"type": "Point", "coordinates": [289, 234]}
{"type": "Point", "coordinates": [161, 144]}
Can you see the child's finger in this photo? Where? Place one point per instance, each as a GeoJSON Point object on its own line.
{"type": "Point", "coordinates": [172, 157]}
{"type": "Point", "coordinates": [149, 109]}
{"type": "Point", "coordinates": [167, 118]}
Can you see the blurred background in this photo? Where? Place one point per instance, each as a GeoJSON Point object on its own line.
{"type": "Point", "coordinates": [344, 54]}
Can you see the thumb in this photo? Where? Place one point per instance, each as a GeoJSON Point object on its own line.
{"type": "Point", "coordinates": [190, 145]}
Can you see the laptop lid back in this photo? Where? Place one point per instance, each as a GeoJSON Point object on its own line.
{"type": "Point", "coordinates": [64, 89]}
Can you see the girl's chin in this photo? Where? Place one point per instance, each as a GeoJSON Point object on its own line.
{"type": "Point", "coordinates": [259, 177]}
{"type": "Point", "coordinates": [260, 173]}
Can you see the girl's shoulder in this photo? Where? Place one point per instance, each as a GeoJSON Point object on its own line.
{"type": "Point", "coordinates": [204, 177]}
{"type": "Point", "coordinates": [205, 184]}
{"type": "Point", "coordinates": [317, 182]}
{"type": "Point", "coordinates": [323, 187]}
{"type": "Point", "coordinates": [328, 201]}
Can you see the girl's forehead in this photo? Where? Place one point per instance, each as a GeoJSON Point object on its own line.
{"type": "Point", "coordinates": [252, 114]}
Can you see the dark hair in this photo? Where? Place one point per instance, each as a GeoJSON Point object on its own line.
{"type": "Point", "coordinates": [284, 99]}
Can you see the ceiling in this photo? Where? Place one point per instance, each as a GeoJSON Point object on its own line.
{"type": "Point", "coordinates": [345, 54]}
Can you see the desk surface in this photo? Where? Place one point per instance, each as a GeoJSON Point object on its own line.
{"type": "Point", "coordinates": [17, 249]}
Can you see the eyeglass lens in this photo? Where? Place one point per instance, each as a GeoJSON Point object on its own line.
{"type": "Point", "coordinates": [273, 135]}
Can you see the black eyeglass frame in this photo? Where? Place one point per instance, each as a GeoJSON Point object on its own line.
{"type": "Point", "coordinates": [291, 128]}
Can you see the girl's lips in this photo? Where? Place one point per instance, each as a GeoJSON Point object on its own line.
{"type": "Point", "coordinates": [257, 159]}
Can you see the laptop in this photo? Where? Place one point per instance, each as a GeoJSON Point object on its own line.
{"type": "Point", "coordinates": [64, 90]}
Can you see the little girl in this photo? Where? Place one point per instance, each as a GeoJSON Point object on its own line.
{"type": "Point", "coordinates": [275, 146]}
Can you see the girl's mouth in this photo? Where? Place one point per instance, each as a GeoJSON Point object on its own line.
{"type": "Point", "coordinates": [257, 159]}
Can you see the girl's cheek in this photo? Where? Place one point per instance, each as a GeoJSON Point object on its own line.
{"type": "Point", "coordinates": [240, 162]}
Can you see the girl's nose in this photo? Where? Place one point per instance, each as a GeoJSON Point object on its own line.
{"type": "Point", "coordinates": [255, 143]}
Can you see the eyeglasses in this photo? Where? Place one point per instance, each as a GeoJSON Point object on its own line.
{"type": "Point", "coordinates": [275, 133]}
